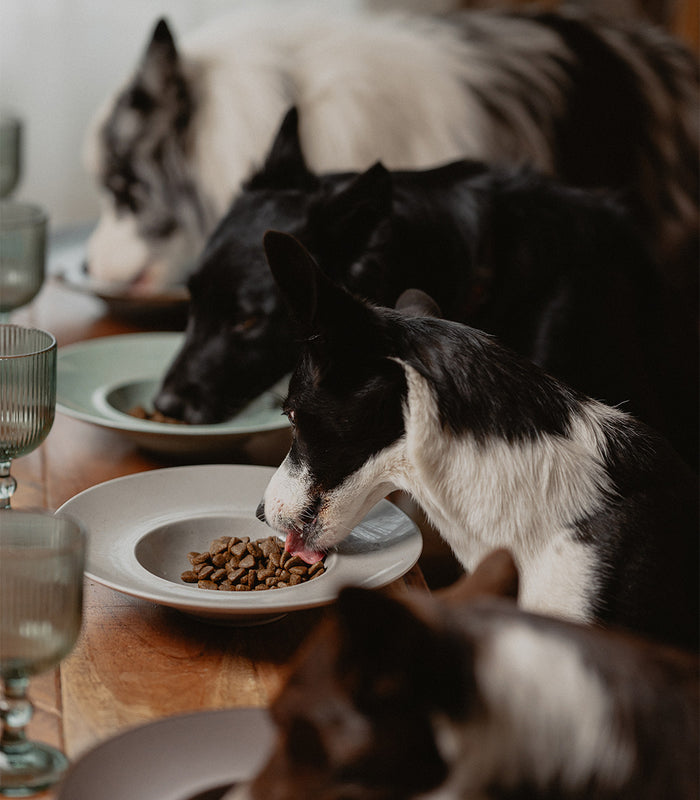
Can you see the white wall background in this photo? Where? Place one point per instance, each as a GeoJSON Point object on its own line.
{"type": "Point", "coordinates": [58, 60]}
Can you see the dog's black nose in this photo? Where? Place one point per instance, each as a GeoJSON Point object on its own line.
{"type": "Point", "coordinates": [260, 512]}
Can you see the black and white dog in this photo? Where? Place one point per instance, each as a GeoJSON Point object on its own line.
{"type": "Point", "coordinates": [463, 696]}
{"type": "Point", "coordinates": [599, 512]}
{"type": "Point", "coordinates": [558, 274]}
{"type": "Point", "coordinates": [597, 103]}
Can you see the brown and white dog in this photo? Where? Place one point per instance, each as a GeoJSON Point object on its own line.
{"type": "Point", "coordinates": [599, 511]}
{"type": "Point", "coordinates": [597, 103]}
{"type": "Point", "coordinates": [466, 697]}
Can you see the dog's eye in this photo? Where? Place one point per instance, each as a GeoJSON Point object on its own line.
{"type": "Point", "coordinates": [292, 417]}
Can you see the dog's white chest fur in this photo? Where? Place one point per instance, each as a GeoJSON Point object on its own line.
{"type": "Point", "coordinates": [524, 496]}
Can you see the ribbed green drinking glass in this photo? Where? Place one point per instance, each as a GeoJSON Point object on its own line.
{"type": "Point", "coordinates": [23, 234]}
{"type": "Point", "coordinates": [27, 397]}
{"type": "Point", "coordinates": [42, 562]}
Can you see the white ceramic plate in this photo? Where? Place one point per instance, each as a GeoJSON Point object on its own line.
{"type": "Point", "coordinates": [66, 259]}
{"type": "Point", "coordinates": [175, 758]}
{"type": "Point", "coordinates": [142, 526]}
{"type": "Point", "coordinates": [101, 380]}
{"type": "Point", "coordinates": [123, 301]}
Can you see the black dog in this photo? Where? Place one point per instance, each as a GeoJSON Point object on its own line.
{"type": "Point", "coordinates": [556, 273]}
{"type": "Point", "coordinates": [600, 513]}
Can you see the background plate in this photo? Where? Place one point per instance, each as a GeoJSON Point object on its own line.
{"type": "Point", "coordinates": [142, 526]}
{"type": "Point", "coordinates": [174, 758]}
{"type": "Point", "coordinates": [67, 257]}
{"type": "Point", "coordinates": [123, 302]}
{"type": "Point", "coordinates": [98, 380]}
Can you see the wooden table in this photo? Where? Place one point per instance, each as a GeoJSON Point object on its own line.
{"type": "Point", "coordinates": [135, 661]}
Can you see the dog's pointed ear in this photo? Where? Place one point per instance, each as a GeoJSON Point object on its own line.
{"type": "Point", "coordinates": [316, 305]}
{"type": "Point", "coordinates": [416, 303]}
{"type": "Point", "coordinates": [496, 575]}
{"type": "Point", "coordinates": [162, 41]}
{"type": "Point", "coordinates": [161, 53]}
{"type": "Point", "coordinates": [160, 60]}
{"type": "Point", "coordinates": [354, 213]}
{"type": "Point", "coordinates": [390, 655]}
{"type": "Point", "coordinates": [285, 166]}
{"type": "Point", "coordinates": [296, 275]}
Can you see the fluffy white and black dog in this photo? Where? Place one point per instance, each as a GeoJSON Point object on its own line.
{"type": "Point", "coordinates": [460, 695]}
{"type": "Point", "coordinates": [558, 274]}
{"type": "Point", "coordinates": [599, 512]}
{"type": "Point", "coordinates": [597, 103]}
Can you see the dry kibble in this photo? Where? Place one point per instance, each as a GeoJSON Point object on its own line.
{"type": "Point", "coordinates": [235, 574]}
{"type": "Point", "coordinates": [248, 562]}
{"type": "Point", "coordinates": [268, 547]}
{"type": "Point", "coordinates": [154, 416]}
{"type": "Point", "coordinates": [253, 549]}
{"type": "Point", "coordinates": [238, 549]}
{"type": "Point", "coordinates": [241, 565]}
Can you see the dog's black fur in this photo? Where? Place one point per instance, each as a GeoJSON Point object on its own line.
{"type": "Point", "coordinates": [481, 404]}
{"type": "Point", "coordinates": [558, 274]}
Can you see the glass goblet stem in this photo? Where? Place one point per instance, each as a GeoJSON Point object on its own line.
{"type": "Point", "coordinates": [15, 712]}
{"type": "Point", "coordinates": [7, 485]}
{"type": "Point", "coordinates": [26, 767]}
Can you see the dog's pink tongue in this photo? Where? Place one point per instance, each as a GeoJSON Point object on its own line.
{"type": "Point", "coordinates": [295, 545]}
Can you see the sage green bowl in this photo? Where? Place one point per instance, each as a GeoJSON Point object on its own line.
{"type": "Point", "coordinates": [101, 380]}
